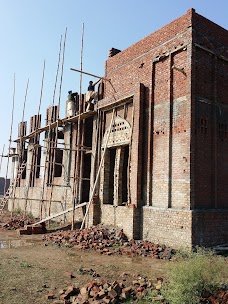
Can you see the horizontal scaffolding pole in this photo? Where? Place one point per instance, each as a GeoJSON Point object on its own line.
{"type": "Point", "coordinates": [36, 199]}
{"type": "Point", "coordinates": [53, 125]}
{"type": "Point", "coordinates": [75, 70]}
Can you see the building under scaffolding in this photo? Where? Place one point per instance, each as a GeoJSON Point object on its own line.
{"type": "Point", "coordinates": [151, 157]}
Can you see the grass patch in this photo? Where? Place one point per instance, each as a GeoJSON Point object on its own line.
{"type": "Point", "coordinates": [194, 274]}
{"type": "Point", "coordinates": [25, 265]}
{"type": "Point", "coordinates": [19, 211]}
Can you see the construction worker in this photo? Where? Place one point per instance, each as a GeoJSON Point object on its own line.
{"type": "Point", "coordinates": [91, 94]}
{"type": "Point", "coordinates": [71, 104]}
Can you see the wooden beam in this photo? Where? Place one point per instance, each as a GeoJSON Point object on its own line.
{"type": "Point", "coordinates": [75, 70]}
{"type": "Point", "coordinates": [58, 214]}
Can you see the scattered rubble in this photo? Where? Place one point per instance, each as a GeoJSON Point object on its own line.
{"type": "Point", "coordinates": [17, 222]}
{"type": "Point", "coordinates": [103, 292]}
{"type": "Point", "coordinates": [109, 241]}
{"type": "Point", "coordinates": [220, 296]}
{"type": "Point", "coordinates": [99, 291]}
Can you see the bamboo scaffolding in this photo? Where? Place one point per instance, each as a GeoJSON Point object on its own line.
{"type": "Point", "coordinates": [2, 157]}
{"type": "Point", "coordinates": [78, 155]}
{"type": "Point", "coordinates": [48, 128]}
{"type": "Point", "coordinates": [22, 120]}
{"type": "Point", "coordinates": [86, 73]}
{"type": "Point", "coordinates": [99, 169]}
{"type": "Point", "coordinates": [57, 125]}
{"type": "Point", "coordinates": [129, 157]}
{"type": "Point", "coordinates": [34, 159]}
{"type": "Point", "coordinates": [61, 123]}
{"type": "Point", "coordinates": [21, 149]}
{"type": "Point", "coordinates": [37, 137]}
{"type": "Point", "coordinates": [10, 138]}
{"type": "Point", "coordinates": [82, 129]}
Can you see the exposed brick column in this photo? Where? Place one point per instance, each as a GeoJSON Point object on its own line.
{"type": "Point", "coordinates": [136, 148]}
{"type": "Point", "coordinates": [161, 133]}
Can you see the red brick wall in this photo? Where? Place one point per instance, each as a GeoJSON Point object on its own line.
{"type": "Point", "coordinates": [209, 115]}
{"type": "Point", "coordinates": [183, 156]}
{"type": "Point", "coordinates": [209, 228]}
{"type": "Point", "coordinates": [166, 115]}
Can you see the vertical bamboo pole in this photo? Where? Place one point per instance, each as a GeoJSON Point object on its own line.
{"type": "Point", "coordinates": [77, 174]}
{"type": "Point", "coordinates": [23, 115]}
{"type": "Point", "coordinates": [99, 169]}
{"type": "Point", "coordinates": [129, 156]}
{"type": "Point", "coordinates": [37, 137]}
{"type": "Point", "coordinates": [53, 160]}
{"type": "Point", "coordinates": [2, 157]}
{"type": "Point", "coordinates": [46, 164]}
{"type": "Point", "coordinates": [21, 152]}
{"type": "Point", "coordinates": [10, 138]}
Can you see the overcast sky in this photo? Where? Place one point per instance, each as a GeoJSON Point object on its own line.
{"type": "Point", "coordinates": [30, 32]}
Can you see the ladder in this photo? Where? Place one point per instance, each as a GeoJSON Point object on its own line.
{"type": "Point", "coordinates": [12, 187]}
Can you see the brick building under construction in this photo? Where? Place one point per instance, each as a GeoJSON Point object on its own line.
{"type": "Point", "coordinates": [152, 157]}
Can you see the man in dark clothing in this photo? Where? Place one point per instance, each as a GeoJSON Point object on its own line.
{"type": "Point", "coordinates": [72, 104]}
{"type": "Point", "coordinates": [91, 94]}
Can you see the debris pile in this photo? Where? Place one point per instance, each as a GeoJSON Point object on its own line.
{"type": "Point", "coordinates": [100, 291]}
{"type": "Point", "coordinates": [109, 241]}
{"type": "Point", "coordinates": [17, 222]}
{"type": "Point", "coordinates": [220, 296]}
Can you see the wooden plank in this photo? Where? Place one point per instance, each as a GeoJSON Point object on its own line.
{"type": "Point", "coordinates": [82, 116]}
{"type": "Point", "coordinates": [59, 214]}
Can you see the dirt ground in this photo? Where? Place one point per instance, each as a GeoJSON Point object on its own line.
{"type": "Point", "coordinates": [30, 269]}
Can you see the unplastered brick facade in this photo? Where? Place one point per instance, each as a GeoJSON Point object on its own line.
{"type": "Point", "coordinates": [179, 174]}
{"type": "Point", "coordinates": [162, 124]}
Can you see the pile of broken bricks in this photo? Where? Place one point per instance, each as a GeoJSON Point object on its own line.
{"type": "Point", "coordinates": [103, 292]}
{"type": "Point", "coordinates": [17, 222]}
{"type": "Point", "coordinates": [220, 296]}
{"type": "Point", "coordinates": [109, 241]}
{"type": "Point", "coordinates": [130, 287]}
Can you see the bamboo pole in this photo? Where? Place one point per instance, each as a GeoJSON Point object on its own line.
{"type": "Point", "coordinates": [86, 73]}
{"type": "Point", "coordinates": [76, 181]}
{"type": "Point", "coordinates": [57, 72]}
{"type": "Point", "coordinates": [81, 143]}
{"type": "Point", "coordinates": [61, 78]}
{"type": "Point", "coordinates": [23, 114]}
{"type": "Point", "coordinates": [10, 139]}
{"type": "Point", "coordinates": [37, 137]}
{"type": "Point", "coordinates": [2, 157]}
{"type": "Point", "coordinates": [49, 132]}
{"type": "Point", "coordinates": [33, 168]}
{"type": "Point", "coordinates": [99, 169]}
{"type": "Point", "coordinates": [129, 156]}
{"type": "Point", "coordinates": [21, 145]}
{"type": "Point", "coordinates": [57, 126]}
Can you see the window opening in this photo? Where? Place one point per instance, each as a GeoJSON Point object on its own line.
{"type": "Point", "coordinates": [222, 130]}
{"type": "Point", "coordinates": [86, 177]}
{"type": "Point", "coordinates": [203, 125]}
{"type": "Point", "coordinates": [125, 176]}
{"type": "Point", "coordinates": [112, 158]}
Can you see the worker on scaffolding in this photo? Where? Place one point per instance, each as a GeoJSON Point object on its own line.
{"type": "Point", "coordinates": [91, 95]}
{"type": "Point", "coordinates": [72, 104]}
